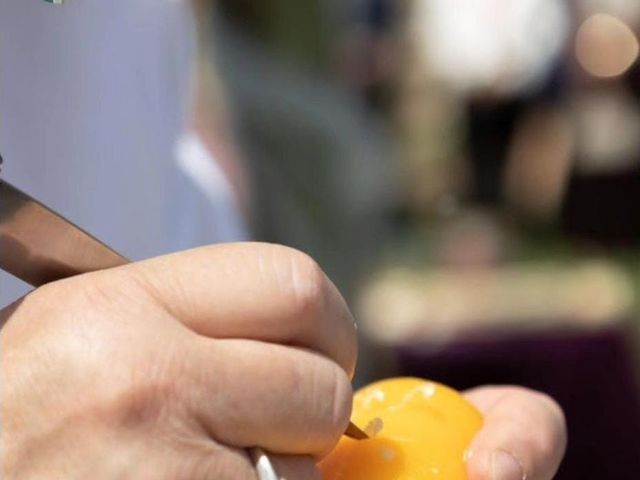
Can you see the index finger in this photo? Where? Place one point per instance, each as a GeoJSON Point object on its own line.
{"type": "Point", "coordinates": [253, 291]}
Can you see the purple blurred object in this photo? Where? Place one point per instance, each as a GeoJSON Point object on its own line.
{"type": "Point", "coordinates": [590, 374]}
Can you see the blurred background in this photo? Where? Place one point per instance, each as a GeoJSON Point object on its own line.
{"type": "Point", "coordinates": [467, 171]}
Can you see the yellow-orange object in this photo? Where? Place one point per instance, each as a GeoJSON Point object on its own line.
{"type": "Point", "coordinates": [425, 431]}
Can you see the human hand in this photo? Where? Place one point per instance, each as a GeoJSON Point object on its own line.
{"type": "Point", "coordinates": [523, 438]}
{"type": "Point", "coordinates": [170, 368]}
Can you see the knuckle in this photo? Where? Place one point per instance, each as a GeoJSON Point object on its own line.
{"type": "Point", "coordinates": [134, 401]}
{"type": "Point", "coordinates": [332, 396]}
{"type": "Point", "coordinates": [140, 388]}
{"type": "Point", "coordinates": [304, 283]}
{"type": "Point", "coordinates": [342, 395]}
{"type": "Point", "coordinates": [324, 396]}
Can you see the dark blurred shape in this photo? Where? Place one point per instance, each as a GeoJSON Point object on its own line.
{"type": "Point", "coordinates": [602, 208]}
{"type": "Point", "coordinates": [371, 52]}
{"type": "Point", "coordinates": [491, 125]}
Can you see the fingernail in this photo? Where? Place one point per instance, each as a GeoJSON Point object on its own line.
{"type": "Point", "coordinates": [504, 466]}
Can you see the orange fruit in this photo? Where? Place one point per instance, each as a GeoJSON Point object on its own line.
{"type": "Point", "coordinates": [424, 430]}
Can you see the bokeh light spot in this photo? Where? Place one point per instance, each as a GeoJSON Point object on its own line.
{"type": "Point", "coordinates": [606, 46]}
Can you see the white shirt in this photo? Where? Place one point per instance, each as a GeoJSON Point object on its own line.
{"type": "Point", "coordinates": [94, 101]}
{"type": "Point", "coordinates": [506, 46]}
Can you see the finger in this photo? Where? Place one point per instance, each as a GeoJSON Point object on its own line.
{"type": "Point", "coordinates": [256, 291]}
{"type": "Point", "coordinates": [283, 399]}
{"type": "Point", "coordinates": [524, 436]}
{"type": "Point", "coordinates": [300, 467]}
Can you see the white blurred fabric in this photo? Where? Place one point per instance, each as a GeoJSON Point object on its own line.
{"type": "Point", "coordinates": [507, 46]}
{"type": "Point", "coordinates": [94, 101]}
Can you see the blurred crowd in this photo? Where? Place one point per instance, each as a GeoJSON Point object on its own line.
{"type": "Point", "coordinates": [466, 171]}
{"type": "Point", "coordinates": [416, 113]}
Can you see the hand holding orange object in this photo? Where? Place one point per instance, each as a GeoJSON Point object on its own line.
{"type": "Point", "coordinates": [428, 431]}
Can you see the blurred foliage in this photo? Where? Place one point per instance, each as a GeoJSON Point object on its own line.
{"type": "Point", "coordinates": [294, 29]}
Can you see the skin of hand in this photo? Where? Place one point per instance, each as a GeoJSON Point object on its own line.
{"type": "Point", "coordinates": [170, 368]}
{"type": "Point", "coordinates": [524, 436]}
{"type": "Point", "coordinates": [167, 369]}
